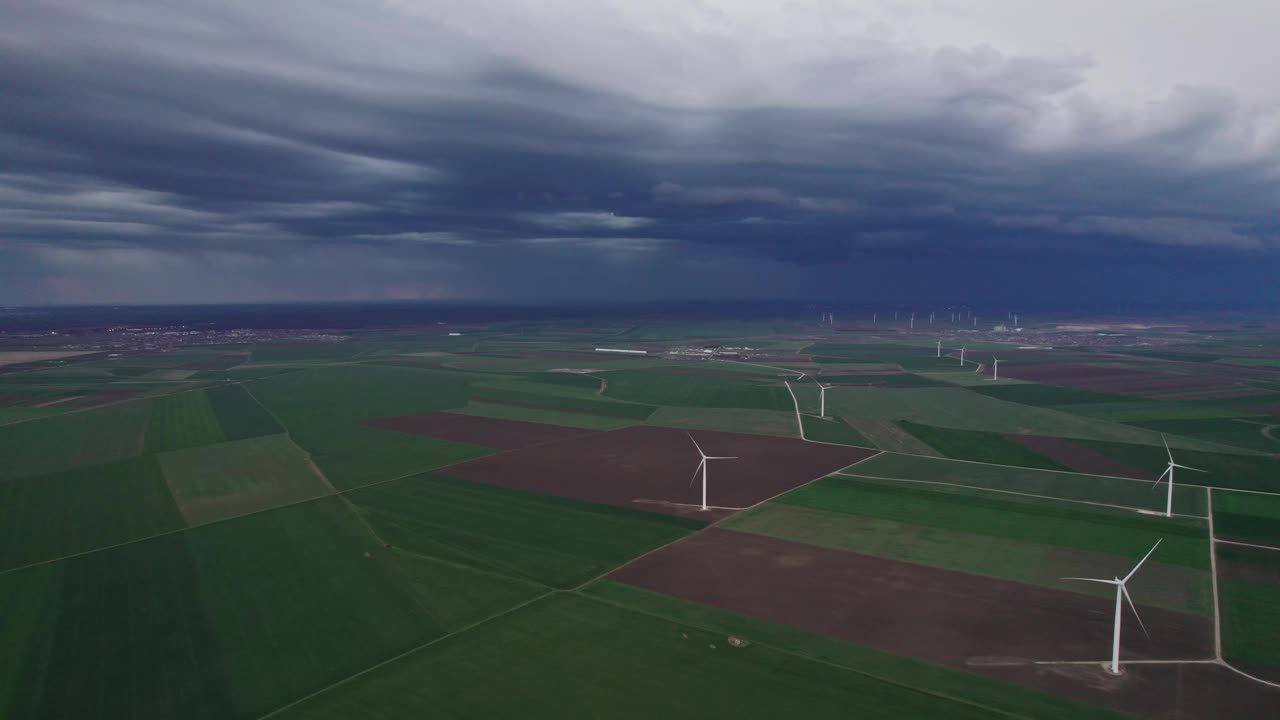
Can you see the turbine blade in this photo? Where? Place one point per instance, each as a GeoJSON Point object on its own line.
{"type": "Point", "coordinates": [1165, 440]}
{"type": "Point", "coordinates": [1133, 607]}
{"type": "Point", "coordinates": [695, 444]}
{"type": "Point", "coordinates": [1184, 467]}
{"type": "Point", "coordinates": [1097, 580]}
{"type": "Point", "coordinates": [696, 470]}
{"type": "Point", "coordinates": [722, 457]}
{"type": "Point", "coordinates": [1144, 559]}
{"type": "Point", "coordinates": [1159, 479]}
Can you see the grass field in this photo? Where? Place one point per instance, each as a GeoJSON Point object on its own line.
{"type": "Point", "coordinates": [595, 659]}
{"type": "Point", "coordinates": [355, 455]}
{"type": "Point", "coordinates": [1222, 470]}
{"type": "Point", "coordinates": [1098, 531]}
{"type": "Point", "coordinates": [1066, 486]}
{"type": "Point", "coordinates": [539, 415]}
{"type": "Point", "coordinates": [963, 409]}
{"type": "Point", "coordinates": [554, 541]}
{"type": "Point", "coordinates": [1044, 395]}
{"type": "Point", "coordinates": [832, 430]}
{"type": "Point", "coordinates": [658, 388]}
{"type": "Point", "coordinates": [760, 422]}
{"type": "Point", "coordinates": [182, 420]}
{"type": "Point", "coordinates": [978, 446]}
{"type": "Point", "coordinates": [1250, 634]}
{"type": "Point", "coordinates": [889, 435]}
{"type": "Point", "coordinates": [72, 440]}
{"type": "Point", "coordinates": [215, 482]}
{"type": "Point", "coordinates": [329, 396]}
{"type": "Point", "coordinates": [1040, 562]}
{"type": "Point", "coordinates": [546, 400]}
{"type": "Point", "coordinates": [239, 414]}
{"type": "Point", "coordinates": [1245, 433]}
{"type": "Point", "coordinates": [454, 595]}
{"type": "Point", "coordinates": [1247, 517]}
{"type": "Point", "coordinates": [74, 511]}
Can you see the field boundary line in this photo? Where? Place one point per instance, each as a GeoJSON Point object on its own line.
{"type": "Point", "coordinates": [771, 367]}
{"type": "Point", "coordinates": [1248, 545]}
{"type": "Point", "coordinates": [1213, 569]}
{"type": "Point", "coordinates": [1141, 511]}
{"type": "Point", "coordinates": [405, 654]}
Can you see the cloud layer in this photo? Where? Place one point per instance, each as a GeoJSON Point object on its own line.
{"type": "Point", "coordinates": [234, 150]}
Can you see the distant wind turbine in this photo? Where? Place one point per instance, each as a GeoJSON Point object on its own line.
{"type": "Point", "coordinates": [1121, 590]}
{"type": "Point", "coordinates": [873, 318]}
{"type": "Point", "coordinates": [913, 321]}
{"type": "Point", "coordinates": [995, 368]}
{"type": "Point", "coordinates": [1168, 505]}
{"type": "Point", "coordinates": [702, 467]}
{"type": "Point", "coordinates": [1015, 319]}
{"type": "Point", "coordinates": [962, 354]}
{"type": "Point", "coordinates": [975, 321]}
{"type": "Point", "coordinates": [939, 348]}
{"type": "Point", "coordinates": [822, 399]}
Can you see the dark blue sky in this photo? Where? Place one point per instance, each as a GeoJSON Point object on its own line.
{"type": "Point", "coordinates": [896, 151]}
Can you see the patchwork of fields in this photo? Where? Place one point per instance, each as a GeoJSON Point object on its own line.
{"type": "Point", "coordinates": [508, 524]}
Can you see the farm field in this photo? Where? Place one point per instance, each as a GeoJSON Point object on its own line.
{"type": "Point", "coordinates": [239, 415]}
{"type": "Point", "coordinates": [976, 446]}
{"type": "Point", "coordinates": [327, 396]}
{"type": "Point", "coordinates": [552, 541]}
{"type": "Point", "coordinates": [547, 400]}
{"type": "Point", "coordinates": [490, 432]}
{"type": "Point", "coordinates": [889, 435]}
{"type": "Point", "coordinates": [539, 415]}
{"type": "Point", "coordinates": [72, 440]}
{"type": "Point", "coordinates": [215, 482]}
{"type": "Point", "coordinates": [182, 420]}
{"type": "Point", "coordinates": [1250, 589]}
{"type": "Point", "coordinates": [1247, 517]}
{"type": "Point", "coordinates": [354, 455]}
{"type": "Point", "coordinates": [43, 517]}
{"type": "Point", "coordinates": [762, 422]}
{"type": "Point", "coordinates": [687, 390]}
{"type": "Point", "coordinates": [833, 430]}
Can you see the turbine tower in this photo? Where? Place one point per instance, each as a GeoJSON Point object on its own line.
{"type": "Point", "coordinates": [1168, 505]}
{"type": "Point", "coordinates": [939, 348]}
{"type": "Point", "coordinates": [962, 354]}
{"type": "Point", "coordinates": [913, 321]}
{"type": "Point", "coordinates": [702, 467]}
{"type": "Point", "coordinates": [995, 368]}
{"type": "Point", "coordinates": [822, 399]}
{"type": "Point", "coordinates": [1121, 590]}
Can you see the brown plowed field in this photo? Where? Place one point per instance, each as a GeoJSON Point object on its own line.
{"type": "Point", "coordinates": [937, 615]}
{"type": "Point", "coordinates": [1078, 457]}
{"type": "Point", "coordinates": [1133, 381]}
{"type": "Point", "coordinates": [1253, 572]}
{"type": "Point", "coordinates": [489, 432]}
{"type": "Point", "coordinates": [649, 468]}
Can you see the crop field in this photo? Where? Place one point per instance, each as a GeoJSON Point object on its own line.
{"type": "Point", "coordinates": [649, 468]}
{"type": "Point", "coordinates": [182, 420]}
{"type": "Point", "coordinates": [686, 390]}
{"type": "Point", "coordinates": [762, 422]}
{"type": "Point", "coordinates": [490, 432]}
{"type": "Point", "coordinates": [1254, 434]}
{"type": "Point", "coordinates": [1045, 395]}
{"type": "Point", "coordinates": [833, 430]}
{"type": "Point", "coordinates": [72, 440]}
{"type": "Point", "coordinates": [538, 415]}
{"type": "Point", "coordinates": [1118, 492]}
{"type": "Point", "coordinates": [1222, 470]}
{"type": "Point", "coordinates": [350, 393]}
{"type": "Point", "coordinates": [239, 415]}
{"type": "Point", "coordinates": [354, 455]}
{"type": "Point", "coordinates": [49, 516]}
{"type": "Point", "coordinates": [215, 482]}
{"type": "Point", "coordinates": [1250, 589]}
{"type": "Point", "coordinates": [1247, 517]}
{"type": "Point", "coordinates": [977, 446]}
{"type": "Point", "coordinates": [549, 540]}
{"type": "Point", "coordinates": [889, 435]}
{"type": "Point", "coordinates": [599, 660]}
{"type": "Point", "coordinates": [1040, 561]}
{"type": "Point", "coordinates": [948, 618]}
{"type": "Point", "coordinates": [562, 403]}
{"type": "Point", "coordinates": [1077, 457]}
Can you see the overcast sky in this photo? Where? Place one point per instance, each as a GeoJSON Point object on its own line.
{"type": "Point", "coordinates": [513, 150]}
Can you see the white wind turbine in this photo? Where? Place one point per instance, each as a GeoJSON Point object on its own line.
{"type": "Point", "coordinates": [939, 348]}
{"type": "Point", "coordinates": [913, 321]}
{"type": "Point", "coordinates": [962, 353]}
{"type": "Point", "coordinates": [1122, 590]}
{"type": "Point", "coordinates": [822, 399]}
{"type": "Point", "coordinates": [995, 368]}
{"type": "Point", "coordinates": [702, 467]}
{"type": "Point", "coordinates": [1168, 506]}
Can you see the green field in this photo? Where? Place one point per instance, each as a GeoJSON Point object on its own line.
{"type": "Point", "coordinates": [49, 516]}
{"type": "Point", "coordinates": [550, 417]}
{"type": "Point", "coordinates": [658, 388]}
{"type": "Point", "coordinates": [239, 414]}
{"type": "Point", "coordinates": [833, 430]}
{"type": "Point", "coordinates": [554, 541]}
{"type": "Point", "coordinates": [1222, 470]}
{"type": "Point", "coordinates": [760, 422]}
{"type": "Point", "coordinates": [1038, 562]}
{"type": "Point", "coordinates": [1247, 517]}
{"type": "Point", "coordinates": [889, 435]}
{"type": "Point", "coordinates": [72, 440]}
{"type": "Point", "coordinates": [1044, 395]}
{"type": "Point", "coordinates": [182, 420]}
{"type": "Point", "coordinates": [978, 446]}
{"type": "Point", "coordinates": [215, 482]}
{"type": "Point", "coordinates": [1250, 634]}
{"type": "Point", "coordinates": [327, 396]}
{"type": "Point", "coordinates": [1076, 527]}
{"type": "Point", "coordinates": [1136, 494]}
{"type": "Point", "coordinates": [354, 455]}
{"type": "Point", "coordinates": [546, 400]}
{"type": "Point", "coordinates": [1244, 432]}
{"type": "Point", "coordinates": [597, 660]}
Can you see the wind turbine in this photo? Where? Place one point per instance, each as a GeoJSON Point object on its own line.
{"type": "Point", "coordinates": [975, 321]}
{"type": "Point", "coordinates": [962, 354]}
{"type": "Point", "coordinates": [995, 368]}
{"type": "Point", "coordinates": [1122, 590]}
{"type": "Point", "coordinates": [1015, 319]}
{"type": "Point", "coordinates": [822, 399]}
{"type": "Point", "coordinates": [939, 348]}
{"type": "Point", "coordinates": [873, 318]}
{"type": "Point", "coordinates": [1168, 506]}
{"type": "Point", "coordinates": [913, 321]}
{"type": "Point", "coordinates": [702, 467]}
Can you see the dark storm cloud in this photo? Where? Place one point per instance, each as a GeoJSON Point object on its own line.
{"type": "Point", "coordinates": [199, 150]}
